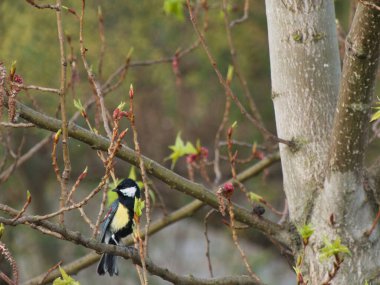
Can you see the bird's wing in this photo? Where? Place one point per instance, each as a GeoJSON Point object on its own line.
{"type": "Point", "coordinates": [104, 237]}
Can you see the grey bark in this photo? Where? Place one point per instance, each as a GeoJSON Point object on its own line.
{"type": "Point", "coordinates": [324, 182]}
{"type": "Point", "coordinates": [305, 73]}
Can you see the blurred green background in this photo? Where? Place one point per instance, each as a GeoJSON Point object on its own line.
{"type": "Point", "coordinates": [165, 105]}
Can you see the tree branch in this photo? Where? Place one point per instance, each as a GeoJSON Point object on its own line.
{"type": "Point", "coordinates": [6, 173]}
{"type": "Point", "coordinates": [360, 65]}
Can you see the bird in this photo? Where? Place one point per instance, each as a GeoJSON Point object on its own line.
{"type": "Point", "coordinates": [118, 223]}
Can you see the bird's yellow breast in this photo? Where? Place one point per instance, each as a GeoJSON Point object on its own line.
{"type": "Point", "coordinates": [121, 218]}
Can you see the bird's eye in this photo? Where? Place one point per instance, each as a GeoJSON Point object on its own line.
{"type": "Point", "coordinates": [129, 192]}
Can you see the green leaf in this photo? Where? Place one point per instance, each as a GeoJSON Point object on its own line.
{"type": "Point", "coordinates": [375, 116]}
{"type": "Point", "coordinates": [121, 106]}
{"type": "Point", "coordinates": [174, 8]}
{"type": "Point", "coordinates": [305, 231]}
{"type": "Point", "coordinates": [2, 228]}
{"type": "Point", "coordinates": [254, 197]}
{"type": "Point", "coordinates": [297, 270]}
{"type": "Point", "coordinates": [28, 195]}
{"type": "Point", "coordinates": [139, 206]}
{"type": "Point", "coordinates": [332, 248]}
{"type": "Point", "coordinates": [78, 105]}
{"type": "Point", "coordinates": [65, 279]}
{"type": "Point", "coordinates": [230, 73]}
{"type": "Point", "coordinates": [13, 69]}
{"type": "Point", "coordinates": [180, 149]}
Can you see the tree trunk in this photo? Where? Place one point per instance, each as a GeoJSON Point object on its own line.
{"type": "Point", "coordinates": [305, 73]}
{"type": "Point", "coordinates": [323, 177]}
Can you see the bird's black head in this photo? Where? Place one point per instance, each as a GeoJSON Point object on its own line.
{"type": "Point", "coordinates": [127, 190]}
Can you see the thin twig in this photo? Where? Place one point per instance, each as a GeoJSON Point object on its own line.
{"type": "Point", "coordinates": [285, 213]}
{"type": "Point", "coordinates": [374, 223]}
{"type": "Point", "coordinates": [237, 70]}
{"type": "Point", "coordinates": [35, 87]}
{"type": "Point", "coordinates": [141, 63]}
{"type": "Point", "coordinates": [16, 125]}
{"type": "Point", "coordinates": [7, 172]}
{"type": "Point", "coordinates": [102, 41]}
{"type": "Point", "coordinates": [242, 109]}
{"type": "Point", "coordinates": [62, 93]}
{"type": "Point", "coordinates": [26, 205]}
{"type": "Point", "coordinates": [54, 158]}
{"type": "Point", "coordinates": [145, 181]}
{"type": "Point", "coordinates": [90, 74]}
{"type": "Point", "coordinates": [44, 6]}
{"type": "Point", "coordinates": [50, 270]}
{"type": "Point", "coordinates": [94, 192]}
{"type": "Point", "coordinates": [6, 279]}
{"type": "Point", "coordinates": [208, 241]}
{"type": "Point", "coordinates": [244, 17]}
{"type": "Point", "coordinates": [227, 107]}
{"type": "Point", "coordinates": [232, 157]}
{"type": "Point", "coordinates": [370, 4]}
{"type": "Point", "coordinates": [237, 244]}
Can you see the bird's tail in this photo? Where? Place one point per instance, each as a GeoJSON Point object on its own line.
{"type": "Point", "coordinates": [108, 263]}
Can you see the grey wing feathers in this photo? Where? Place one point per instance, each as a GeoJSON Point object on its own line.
{"type": "Point", "coordinates": [105, 234]}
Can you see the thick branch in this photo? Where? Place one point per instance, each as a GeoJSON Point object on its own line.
{"type": "Point", "coordinates": [174, 180]}
{"type": "Point", "coordinates": [356, 91]}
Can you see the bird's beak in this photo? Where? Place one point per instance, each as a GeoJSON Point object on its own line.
{"type": "Point", "coordinates": [114, 190]}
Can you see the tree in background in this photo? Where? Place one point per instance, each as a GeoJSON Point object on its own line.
{"type": "Point", "coordinates": [328, 229]}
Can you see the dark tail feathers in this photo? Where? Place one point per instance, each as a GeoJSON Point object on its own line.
{"type": "Point", "coordinates": [108, 263]}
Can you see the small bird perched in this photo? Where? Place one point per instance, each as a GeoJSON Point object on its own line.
{"type": "Point", "coordinates": [118, 223]}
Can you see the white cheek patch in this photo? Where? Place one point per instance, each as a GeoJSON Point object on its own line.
{"type": "Point", "coordinates": [130, 191]}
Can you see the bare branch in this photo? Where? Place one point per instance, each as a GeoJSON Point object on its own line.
{"type": "Point", "coordinates": [37, 88]}
{"type": "Point", "coordinates": [16, 125]}
{"type": "Point", "coordinates": [245, 15]}
{"type": "Point", "coordinates": [91, 76]}
{"type": "Point", "coordinates": [212, 61]}
{"type": "Point", "coordinates": [62, 98]}
{"type": "Point", "coordinates": [50, 270]}
{"type": "Point", "coordinates": [44, 6]}
{"type": "Point", "coordinates": [370, 4]}
{"type": "Point", "coordinates": [24, 158]}
{"type": "Point", "coordinates": [237, 70]}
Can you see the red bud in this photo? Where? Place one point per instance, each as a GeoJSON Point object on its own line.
{"type": "Point", "coordinates": [228, 187]}
{"type": "Point", "coordinates": [131, 92]}
{"type": "Point", "coordinates": [204, 152]}
{"type": "Point", "coordinates": [116, 114]}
